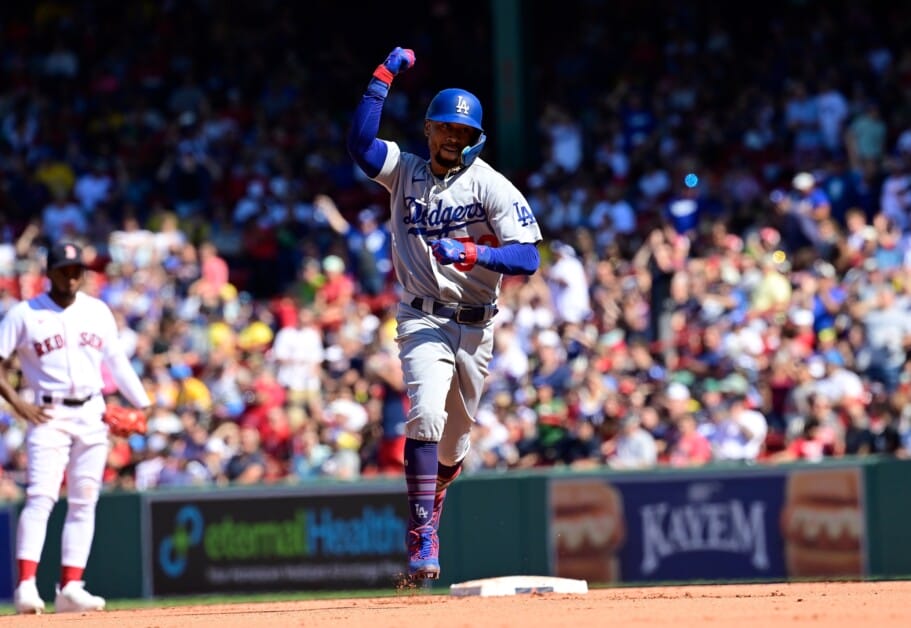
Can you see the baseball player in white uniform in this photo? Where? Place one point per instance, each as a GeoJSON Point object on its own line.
{"type": "Point", "coordinates": [61, 338]}
{"type": "Point", "coordinates": [458, 226]}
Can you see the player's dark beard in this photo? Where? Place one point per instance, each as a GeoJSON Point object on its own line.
{"type": "Point", "coordinates": [447, 163]}
{"type": "Point", "coordinates": [63, 295]}
{"type": "Point", "coordinates": [64, 288]}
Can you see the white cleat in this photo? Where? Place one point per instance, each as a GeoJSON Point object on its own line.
{"type": "Point", "coordinates": [26, 599]}
{"type": "Point", "coordinates": [73, 598]}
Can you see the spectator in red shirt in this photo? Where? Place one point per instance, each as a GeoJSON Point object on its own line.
{"type": "Point", "coordinates": [335, 295]}
{"type": "Point", "coordinates": [275, 441]}
{"type": "Point", "coordinates": [266, 394]}
{"type": "Point", "coordinates": [810, 446]}
{"type": "Point", "coordinates": [213, 271]}
{"type": "Point", "coordinates": [690, 448]}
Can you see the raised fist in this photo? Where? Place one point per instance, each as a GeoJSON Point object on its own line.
{"type": "Point", "coordinates": [399, 60]}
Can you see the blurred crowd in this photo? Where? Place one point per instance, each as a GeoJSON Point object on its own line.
{"type": "Point", "coordinates": [726, 272]}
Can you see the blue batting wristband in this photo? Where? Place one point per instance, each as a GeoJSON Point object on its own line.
{"type": "Point", "coordinates": [377, 88]}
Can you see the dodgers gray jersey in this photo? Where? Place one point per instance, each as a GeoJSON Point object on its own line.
{"type": "Point", "coordinates": [475, 204]}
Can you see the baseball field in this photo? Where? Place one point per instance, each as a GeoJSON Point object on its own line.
{"type": "Point", "coordinates": [881, 604]}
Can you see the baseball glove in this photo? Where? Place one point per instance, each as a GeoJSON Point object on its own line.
{"type": "Point", "coordinates": [124, 421]}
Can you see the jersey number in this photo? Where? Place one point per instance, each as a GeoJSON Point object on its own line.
{"type": "Point", "coordinates": [488, 239]}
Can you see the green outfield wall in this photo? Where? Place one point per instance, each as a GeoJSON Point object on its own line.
{"type": "Point", "coordinates": [115, 563]}
{"type": "Point", "coordinates": [843, 519]}
{"type": "Point", "coordinates": [888, 486]}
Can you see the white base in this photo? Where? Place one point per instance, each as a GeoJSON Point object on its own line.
{"type": "Point", "coordinates": [517, 585]}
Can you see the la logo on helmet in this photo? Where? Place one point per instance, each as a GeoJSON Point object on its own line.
{"type": "Point", "coordinates": [70, 251]}
{"type": "Point", "coordinates": [462, 106]}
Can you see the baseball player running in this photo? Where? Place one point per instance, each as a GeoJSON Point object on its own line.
{"type": "Point", "coordinates": [61, 338]}
{"type": "Point", "coordinates": [457, 225]}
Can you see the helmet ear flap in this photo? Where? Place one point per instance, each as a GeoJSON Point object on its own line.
{"type": "Point", "coordinates": [470, 153]}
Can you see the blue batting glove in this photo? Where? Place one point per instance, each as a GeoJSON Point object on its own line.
{"type": "Point", "coordinates": [397, 62]}
{"type": "Point", "coordinates": [448, 251]}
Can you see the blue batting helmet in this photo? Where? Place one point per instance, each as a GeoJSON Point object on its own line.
{"type": "Point", "coordinates": [457, 106]}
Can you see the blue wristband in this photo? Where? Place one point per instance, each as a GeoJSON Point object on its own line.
{"type": "Point", "coordinates": [377, 88]}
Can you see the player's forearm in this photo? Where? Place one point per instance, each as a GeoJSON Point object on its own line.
{"type": "Point", "coordinates": [365, 149]}
{"type": "Point", "coordinates": [338, 223]}
{"type": "Point", "coordinates": [368, 152]}
{"type": "Point", "coordinates": [6, 390]}
{"type": "Point", "coordinates": [128, 382]}
{"type": "Point", "coordinates": [520, 258]}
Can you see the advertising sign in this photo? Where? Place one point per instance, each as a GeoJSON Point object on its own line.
{"type": "Point", "coordinates": [7, 543]}
{"type": "Point", "coordinates": [773, 524]}
{"type": "Point", "coordinates": [279, 542]}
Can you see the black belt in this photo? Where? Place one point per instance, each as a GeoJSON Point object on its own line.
{"type": "Point", "coordinates": [458, 313]}
{"type": "Point", "coordinates": [66, 401]}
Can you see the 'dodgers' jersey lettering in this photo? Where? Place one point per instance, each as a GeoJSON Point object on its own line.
{"type": "Point", "coordinates": [476, 204]}
{"type": "Point", "coordinates": [440, 221]}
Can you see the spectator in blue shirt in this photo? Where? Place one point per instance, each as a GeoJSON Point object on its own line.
{"type": "Point", "coordinates": [369, 244]}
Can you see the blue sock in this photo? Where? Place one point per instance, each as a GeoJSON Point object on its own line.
{"type": "Point", "coordinates": [421, 478]}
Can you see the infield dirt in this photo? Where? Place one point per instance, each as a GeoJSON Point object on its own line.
{"type": "Point", "coordinates": [834, 604]}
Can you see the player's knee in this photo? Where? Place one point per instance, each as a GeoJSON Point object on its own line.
{"type": "Point", "coordinates": [84, 490]}
{"type": "Point", "coordinates": [79, 510]}
{"type": "Point", "coordinates": [452, 453]}
{"type": "Point", "coordinates": [451, 459]}
{"type": "Point", "coordinates": [427, 426]}
{"type": "Point", "coordinates": [38, 503]}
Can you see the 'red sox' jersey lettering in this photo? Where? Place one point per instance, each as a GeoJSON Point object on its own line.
{"type": "Point", "coordinates": [49, 344]}
{"type": "Point", "coordinates": [88, 339]}
{"type": "Point", "coordinates": [52, 343]}
{"type": "Point", "coordinates": [61, 349]}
